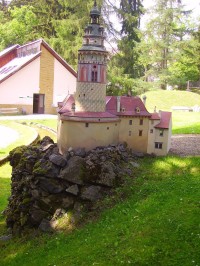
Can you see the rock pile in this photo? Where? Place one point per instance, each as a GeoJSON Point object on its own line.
{"type": "Point", "coordinates": [46, 184]}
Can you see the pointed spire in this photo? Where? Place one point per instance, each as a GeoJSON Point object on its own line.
{"type": "Point", "coordinates": [95, 2]}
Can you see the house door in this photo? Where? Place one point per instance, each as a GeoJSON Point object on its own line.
{"type": "Point", "coordinates": [38, 103]}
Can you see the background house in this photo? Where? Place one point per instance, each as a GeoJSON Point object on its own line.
{"type": "Point", "coordinates": [34, 78]}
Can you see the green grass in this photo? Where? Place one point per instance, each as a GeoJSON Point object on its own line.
{"type": "Point", "coordinates": [185, 123]}
{"type": "Point", "coordinates": [26, 136]}
{"type": "Point", "coordinates": [155, 222]}
{"type": "Point", "coordinates": [5, 174]}
{"type": "Point", "coordinates": [164, 100]}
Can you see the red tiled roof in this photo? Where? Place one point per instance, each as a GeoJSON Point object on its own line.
{"type": "Point", "coordinates": [128, 106]}
{"type": "Point", "coordinates": [67, 104]}
{"type": "Point", "coordinates": [165, 120]}
{"type": "Point", "coordinates": [89, 114]}
{"type": "Point", "coordinates": [155, 116]}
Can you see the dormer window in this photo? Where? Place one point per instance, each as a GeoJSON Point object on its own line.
{"type": "Point", "coordinates": [123, 109]}
{"type": "Point", "coordinates": [137, 109]}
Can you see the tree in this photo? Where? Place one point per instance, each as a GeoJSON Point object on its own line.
{"type": "Point", "coordinates": [163, 41]}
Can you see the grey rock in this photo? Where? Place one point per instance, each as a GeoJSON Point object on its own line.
{"type": "Point", "coordinates": [67, 202]}
{"type": "Point", "coordinates": [107, 176]}
{"type": "Point", "coordinates": [73, 190]}
{"type": "Point", "coordinates": [37, 216]}
{"type": "Point", "coordinates": [58, 159]}
{"type": "Point", "coordinates": [80, 152]}
{"type": "Point", "coordinates": [136, 165]}
{"type": "Point", "coordinates": [50, 185]}
{"type": "Point", "coordinates": [138, 154]}
{"type": "Point", "coordinates": [70, 149]}
{"type": "Point", "coordinates": [5, 238]}
{"type": "Point", "coordinates": [35, 193]}
{"type": "Point", "coordinates": [47, 168]}
{"type": "Point", "coordinates": [45, 226]}
{"type": "Point", "coordinates": [73, 172]}
{"type": "Point", "coordinates": [91, 193]}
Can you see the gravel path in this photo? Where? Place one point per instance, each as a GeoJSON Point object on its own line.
{"type": "Point", "coordinates": [185, 145]}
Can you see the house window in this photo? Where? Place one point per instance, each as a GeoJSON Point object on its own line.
{"type": "Point", "coordinates": [107, 128]}
{"type": "Point", "coordinates": [129, 133]}
{"type": "Point", "coordinates": [140, 133]}
{"type": "Point", "coordinates": [86, 124]}
{"type": "Point", "coordinates": [158, 145]}
{"type": "Point", "coordinates": [151, 130]}
{"type": "Point", "coordinates": [161, 133]}
{"type": "Point", "coordinates": [141, 121]}
{"type": "Point", "coordinates": [130, 122]}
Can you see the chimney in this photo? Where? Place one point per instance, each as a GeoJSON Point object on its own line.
{"type": "Point", "coordinates": [118, 103]}
{"type": "Point", "coordinates": [144, 99]}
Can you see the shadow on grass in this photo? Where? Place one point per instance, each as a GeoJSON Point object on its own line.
{"type": "Point", "coordinates": [153, 221]}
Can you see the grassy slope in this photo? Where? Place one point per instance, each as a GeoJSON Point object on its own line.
{"type": "Point", "coordinates": [156, 224]}
{"type": "Point", "coordinates": [164, 100]}
{"type": "Point", "coordinates": [183, 122]}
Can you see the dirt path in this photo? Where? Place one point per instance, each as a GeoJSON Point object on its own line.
{"type": "Point", "coordinates": [184, 145]}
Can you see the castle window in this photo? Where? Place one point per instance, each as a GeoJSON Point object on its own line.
{"type": "Point", "coordinates": [161, 133]}
{"type": "Point", "coordinates": [152, 122]}
{"type": "Point", "coordinates": [84, 94]}
{"type": "Point", "coordinates": [86, 124]}
{"type": "Point", "coordinates": [158, 145]}
{"type": "Point", "coordinates": [140, 133]}
{"type": "Point", "coordinates": [130, 122]}
{"type": "Point", "coordinates": [94, 76]}
{"type": "Point", "coordinates": [141, 121]}
{"type": "Point", "coordinates": [129, 133]}
{"type": "Point", "coordinates": [151, 130]}
{"type": "Point", "coordinates": [107, 128]}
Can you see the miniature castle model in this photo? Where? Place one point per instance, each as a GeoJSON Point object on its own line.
{"type": "Point", "coordinates": [89, 118]}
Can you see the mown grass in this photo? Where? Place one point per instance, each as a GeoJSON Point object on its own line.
{"type": "Point", "coordinates": [164, 100]}
{"type": "Point", "coordinates": [185, 123]}
{"type": "Point", "coordinates": [5, 174]}
{"type": "Point", "coordinates": [152, 220]}
{"type": "Point", "coordinates": [26, 136]}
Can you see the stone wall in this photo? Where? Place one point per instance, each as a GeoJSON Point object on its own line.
{"type": "Point", "coordinates": [46, 184]}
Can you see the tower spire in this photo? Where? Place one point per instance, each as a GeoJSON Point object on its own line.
{"type": "Point", "coordinates": [95, 2]}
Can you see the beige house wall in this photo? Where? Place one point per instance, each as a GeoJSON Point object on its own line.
{"type": "Point", "coordinates": [47, 79]}
{"type": "Point", "coordinates": [77, 135]}
{"type": "Point", "coordinates": [64, 83]}
{"type": "Point", "coordinates": [17, 90]}
{"type": "Point", "coordinates": [130, 133]}
{"type": "Point", "coordinates": [155, 137]}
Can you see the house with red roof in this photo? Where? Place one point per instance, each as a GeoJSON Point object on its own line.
{"type": "Point", "coordinates": [89, 118]}
{"type": "Point", "coordinates": [34, 78]}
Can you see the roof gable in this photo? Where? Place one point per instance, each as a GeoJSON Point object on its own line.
{"type": "Point", "coordinates": [165, 118]}
{"type": "Point", "coordinates": [24, 55]}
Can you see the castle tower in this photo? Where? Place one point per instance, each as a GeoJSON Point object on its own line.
{"type": "Point", "coordinates": [92, 66]}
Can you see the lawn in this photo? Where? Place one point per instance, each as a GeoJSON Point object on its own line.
{"type": "Point", "coordinates": [26, 136]}
{"type": "Point", "coordinates": [5, 174]}
{"type": "Point", "coordinates": [164, 100]}
{"type": "Point", "coordinates": [152, 220]}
